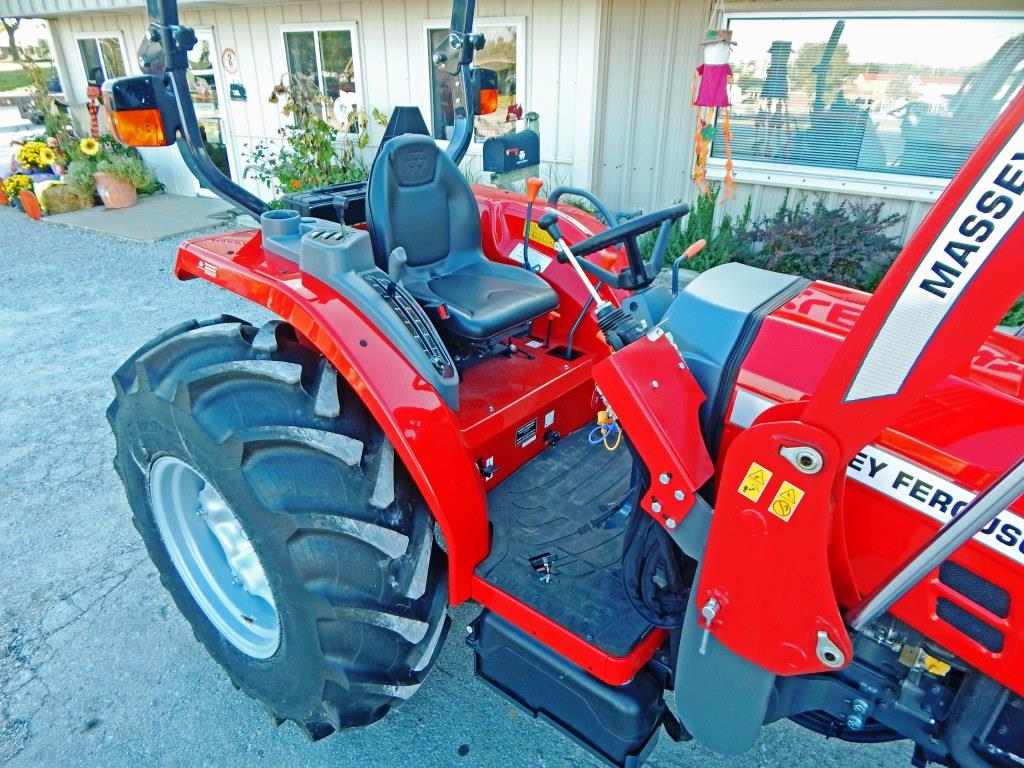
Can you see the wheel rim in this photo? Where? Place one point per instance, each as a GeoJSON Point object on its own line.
{"type": "Point", "coordinates": [214, 557]}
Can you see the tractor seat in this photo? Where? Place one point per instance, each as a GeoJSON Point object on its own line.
{"type": "Point", "coordinates": [425, 227]}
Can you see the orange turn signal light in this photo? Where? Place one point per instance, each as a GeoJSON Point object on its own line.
{"type": "Point", "coordinates": [138, 127]}
{"type": "Point", "coordinates": [488, 101]}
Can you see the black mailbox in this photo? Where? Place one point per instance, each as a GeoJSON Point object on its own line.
{"type": "Point", "coordinates": [511, 152]}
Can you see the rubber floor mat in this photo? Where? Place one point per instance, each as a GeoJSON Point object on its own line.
{"type": "Point", "coordinates": [557, 533]}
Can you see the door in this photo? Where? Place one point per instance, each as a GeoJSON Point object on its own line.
{"type": "Point", "coordinates": [209, 96]}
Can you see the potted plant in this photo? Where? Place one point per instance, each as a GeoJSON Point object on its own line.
{"type": "Point", "coordinates": [13, 185]}
{"type": "Point", "coordinates": [115, 173]}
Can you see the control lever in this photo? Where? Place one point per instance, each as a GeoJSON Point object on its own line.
{"type": "Point", "coordinates": [340, 203]}
{"type": "Point", "coordinates": [619, 326]}
{"type": "Point", "coordinates": [533, 187]}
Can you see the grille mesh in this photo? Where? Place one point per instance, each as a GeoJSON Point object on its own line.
{"type": "Point", "coordinates": [976, 629]}
{"type": "Point", "coordinates": [989, 596]}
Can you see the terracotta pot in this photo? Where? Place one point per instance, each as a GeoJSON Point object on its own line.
{"type": "Point", "coordinates": [115, 192]}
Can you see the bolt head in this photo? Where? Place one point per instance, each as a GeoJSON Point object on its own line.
{"type": "Point", "coordinates": [679, 495]}
{"type": "Point", "coordinates": [665, 478]}
{"type": "Point", "coordinates": [670, 523]}
{"type": "Point", "coordinates": [655, 384]}
{"type": "Point", "coordinates": [656, 506]}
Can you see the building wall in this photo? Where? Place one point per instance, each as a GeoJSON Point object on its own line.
{"type": "Point", "coordinates": [561, 45]}
{"type": "Point", "coordinates": [645, 123]}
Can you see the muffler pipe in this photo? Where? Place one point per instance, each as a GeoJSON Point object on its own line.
{"type": "Point", "coordinates": [975, 516]}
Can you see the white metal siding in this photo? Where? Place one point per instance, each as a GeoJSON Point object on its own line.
{"type": "Point", "coordinates": [561, 53]}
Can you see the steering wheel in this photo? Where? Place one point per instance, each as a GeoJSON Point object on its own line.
{"type": "Point", "coordinates": [640, 274]}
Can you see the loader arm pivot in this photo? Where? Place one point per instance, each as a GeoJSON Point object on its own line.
{"type": "Point", "coordinates": [766, 585]}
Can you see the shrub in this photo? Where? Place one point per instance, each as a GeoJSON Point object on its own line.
{"type": "Point", "coordinates": [724, 243]}
{"type": "Point", "coordinates": [845, 245]}
{"type": "Point", "coordinates": [133, 169]}
{"type": "Point", "coordinates": [79, 177]}
{"type": "Point", "coordinates": [310, 154]}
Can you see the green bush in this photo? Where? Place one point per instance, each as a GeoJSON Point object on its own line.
{"type": "Point", "coordinates": [79, 177]}
{"type": "Point", "coordinates": [131, 168]}
{"type": "Point", "coordinates": [846, 245]}
{"type": "Point", "coordinates": [724, 244]}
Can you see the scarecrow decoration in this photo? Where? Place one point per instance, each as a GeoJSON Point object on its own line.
{"type": "Point", "coordinates": [710, 94]}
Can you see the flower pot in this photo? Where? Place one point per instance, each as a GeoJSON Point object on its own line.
{"type": "Point", "coordinates": [115, 192]}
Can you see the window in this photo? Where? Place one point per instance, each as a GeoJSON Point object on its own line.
{"type": "Point", "coordinates": [329, 57]}
{"type": "Point", "coordinates": [881, 94]}
{"type": "Point", "coordinates": [504, 53]}
{"type": "Point", "coordinates": [102, 58]}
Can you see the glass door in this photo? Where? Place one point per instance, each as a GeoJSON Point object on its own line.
{"type": "Point", "coordinates": [208, 96]}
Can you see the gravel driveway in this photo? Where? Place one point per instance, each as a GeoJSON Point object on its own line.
{"type": "Point", "coordinates": [96, 666]}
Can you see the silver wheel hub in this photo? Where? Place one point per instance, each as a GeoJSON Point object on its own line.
{"type": "Point", "coordinates": [214, 557]}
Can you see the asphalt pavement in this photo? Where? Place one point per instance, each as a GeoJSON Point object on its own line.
{"type": "Point", "coordinates": [97, 668]}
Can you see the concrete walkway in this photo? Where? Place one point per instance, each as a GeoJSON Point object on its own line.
{"type": "Point", "coordinates": [154, 217]}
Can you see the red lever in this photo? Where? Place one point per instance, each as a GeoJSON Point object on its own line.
{"type": "Point", "coordinates": [533, 187]}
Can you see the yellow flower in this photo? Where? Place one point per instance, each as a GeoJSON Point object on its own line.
{"type": "Point", "coordinates": [46, 156]}
{"type": "Point", "coordinates": [15, 183]}
{"type": "Point", "coordinates": [89, 146]}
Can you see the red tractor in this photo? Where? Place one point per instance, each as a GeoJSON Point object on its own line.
{"type": "Point", "coordinates": [778, 498]}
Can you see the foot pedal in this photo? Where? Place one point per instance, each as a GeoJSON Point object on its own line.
{"type": "Point", "coordinates": [619, 724]}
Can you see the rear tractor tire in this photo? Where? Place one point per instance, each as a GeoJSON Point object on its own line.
{"type": "Point", "coordinates": [272, 505]}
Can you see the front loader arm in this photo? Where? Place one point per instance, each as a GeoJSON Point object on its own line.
{"type": "Point", "coordinates": [765, 594]}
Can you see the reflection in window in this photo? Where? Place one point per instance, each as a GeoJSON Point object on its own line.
{"type": "Point", "coordinates": [501, 54]}
{"type": "Point", "coordinates": [102, 58]}
{"type": "Point", "coordinates": [883, 94]}
{"type": "Point", "coordinates": [327, 58]}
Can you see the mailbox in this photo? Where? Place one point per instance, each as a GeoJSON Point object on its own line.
{"type": "Point", "coordinates": [511, 152]}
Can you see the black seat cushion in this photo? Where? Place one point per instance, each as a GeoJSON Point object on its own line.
{"type": "Point", "coordinates": [485, 299]}
{"type": "Point", "coordinates": [418, 200]}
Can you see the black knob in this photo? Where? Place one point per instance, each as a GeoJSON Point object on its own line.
{"type": "Point", "coordinates": [549, 223]}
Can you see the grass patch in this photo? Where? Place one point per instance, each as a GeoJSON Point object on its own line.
{"type": "Point", "coordinates": [13, 79]}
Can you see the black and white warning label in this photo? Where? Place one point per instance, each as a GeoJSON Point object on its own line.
{"type": "Point", "coordinates": [933, 495]}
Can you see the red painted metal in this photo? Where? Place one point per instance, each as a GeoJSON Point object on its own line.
{"type": "Point", "coordinates": [968, 428]}
{"type": "Point", "coordinates": [444, 449]}
{"type": "Point", "coordinates": [422, 428]}
{"type": "Point", "coordinates": [614, 670]}
{"type": "Point", "coordinates": [656, 399]}
{"type": "Point", "coordinates": [863, 391]}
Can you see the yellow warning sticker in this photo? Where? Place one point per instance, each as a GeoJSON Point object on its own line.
{"type": "Point", "coordinates": [786, 500]}
{"type": "Point", "coordinates": [538, 235]}
{"type": "Point", "coordinates": [754, 481]}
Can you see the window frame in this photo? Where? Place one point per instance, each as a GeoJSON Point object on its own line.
{"type": "Point", "coordinates": [843, 181]}
{"type": "Point", "coordinates": [479, 23]}
{"type": "Point", "coordinates": [352, 27]}
{"type": "Point", "coordinates": [97, 36]}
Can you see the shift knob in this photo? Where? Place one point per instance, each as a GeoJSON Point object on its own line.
{"type": "Point", "coordinates": [533, 187]}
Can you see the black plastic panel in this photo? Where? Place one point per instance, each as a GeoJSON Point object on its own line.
{"type": "Point", "coordinates": [618, 723]}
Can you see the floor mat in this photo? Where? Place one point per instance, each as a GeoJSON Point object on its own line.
{"type": "Point", "coordinates": [557, 541]}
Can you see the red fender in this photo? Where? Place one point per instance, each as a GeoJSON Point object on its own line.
{"type": "Point", "coordinates": [419, 424]}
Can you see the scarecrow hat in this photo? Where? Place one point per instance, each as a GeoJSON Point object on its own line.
{"type": "Point", "coordinates": [717, 36]}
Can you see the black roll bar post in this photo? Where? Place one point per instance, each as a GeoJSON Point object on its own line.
{"type": "Point", "coordinates": [176, 41]}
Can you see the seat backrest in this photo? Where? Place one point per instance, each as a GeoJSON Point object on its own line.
{"type": "Point", "coordinates": [418, 199]}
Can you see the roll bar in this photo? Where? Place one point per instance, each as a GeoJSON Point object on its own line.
{"type": "Point", "coordinates": [176, 40]}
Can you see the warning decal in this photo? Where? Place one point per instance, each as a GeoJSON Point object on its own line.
{"type": "Point", "coordinates": [786, 500]}
{"type": "Point", "coordinates": [754, 481]}
{"type": "Point", "coordinates": [538, 235]}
